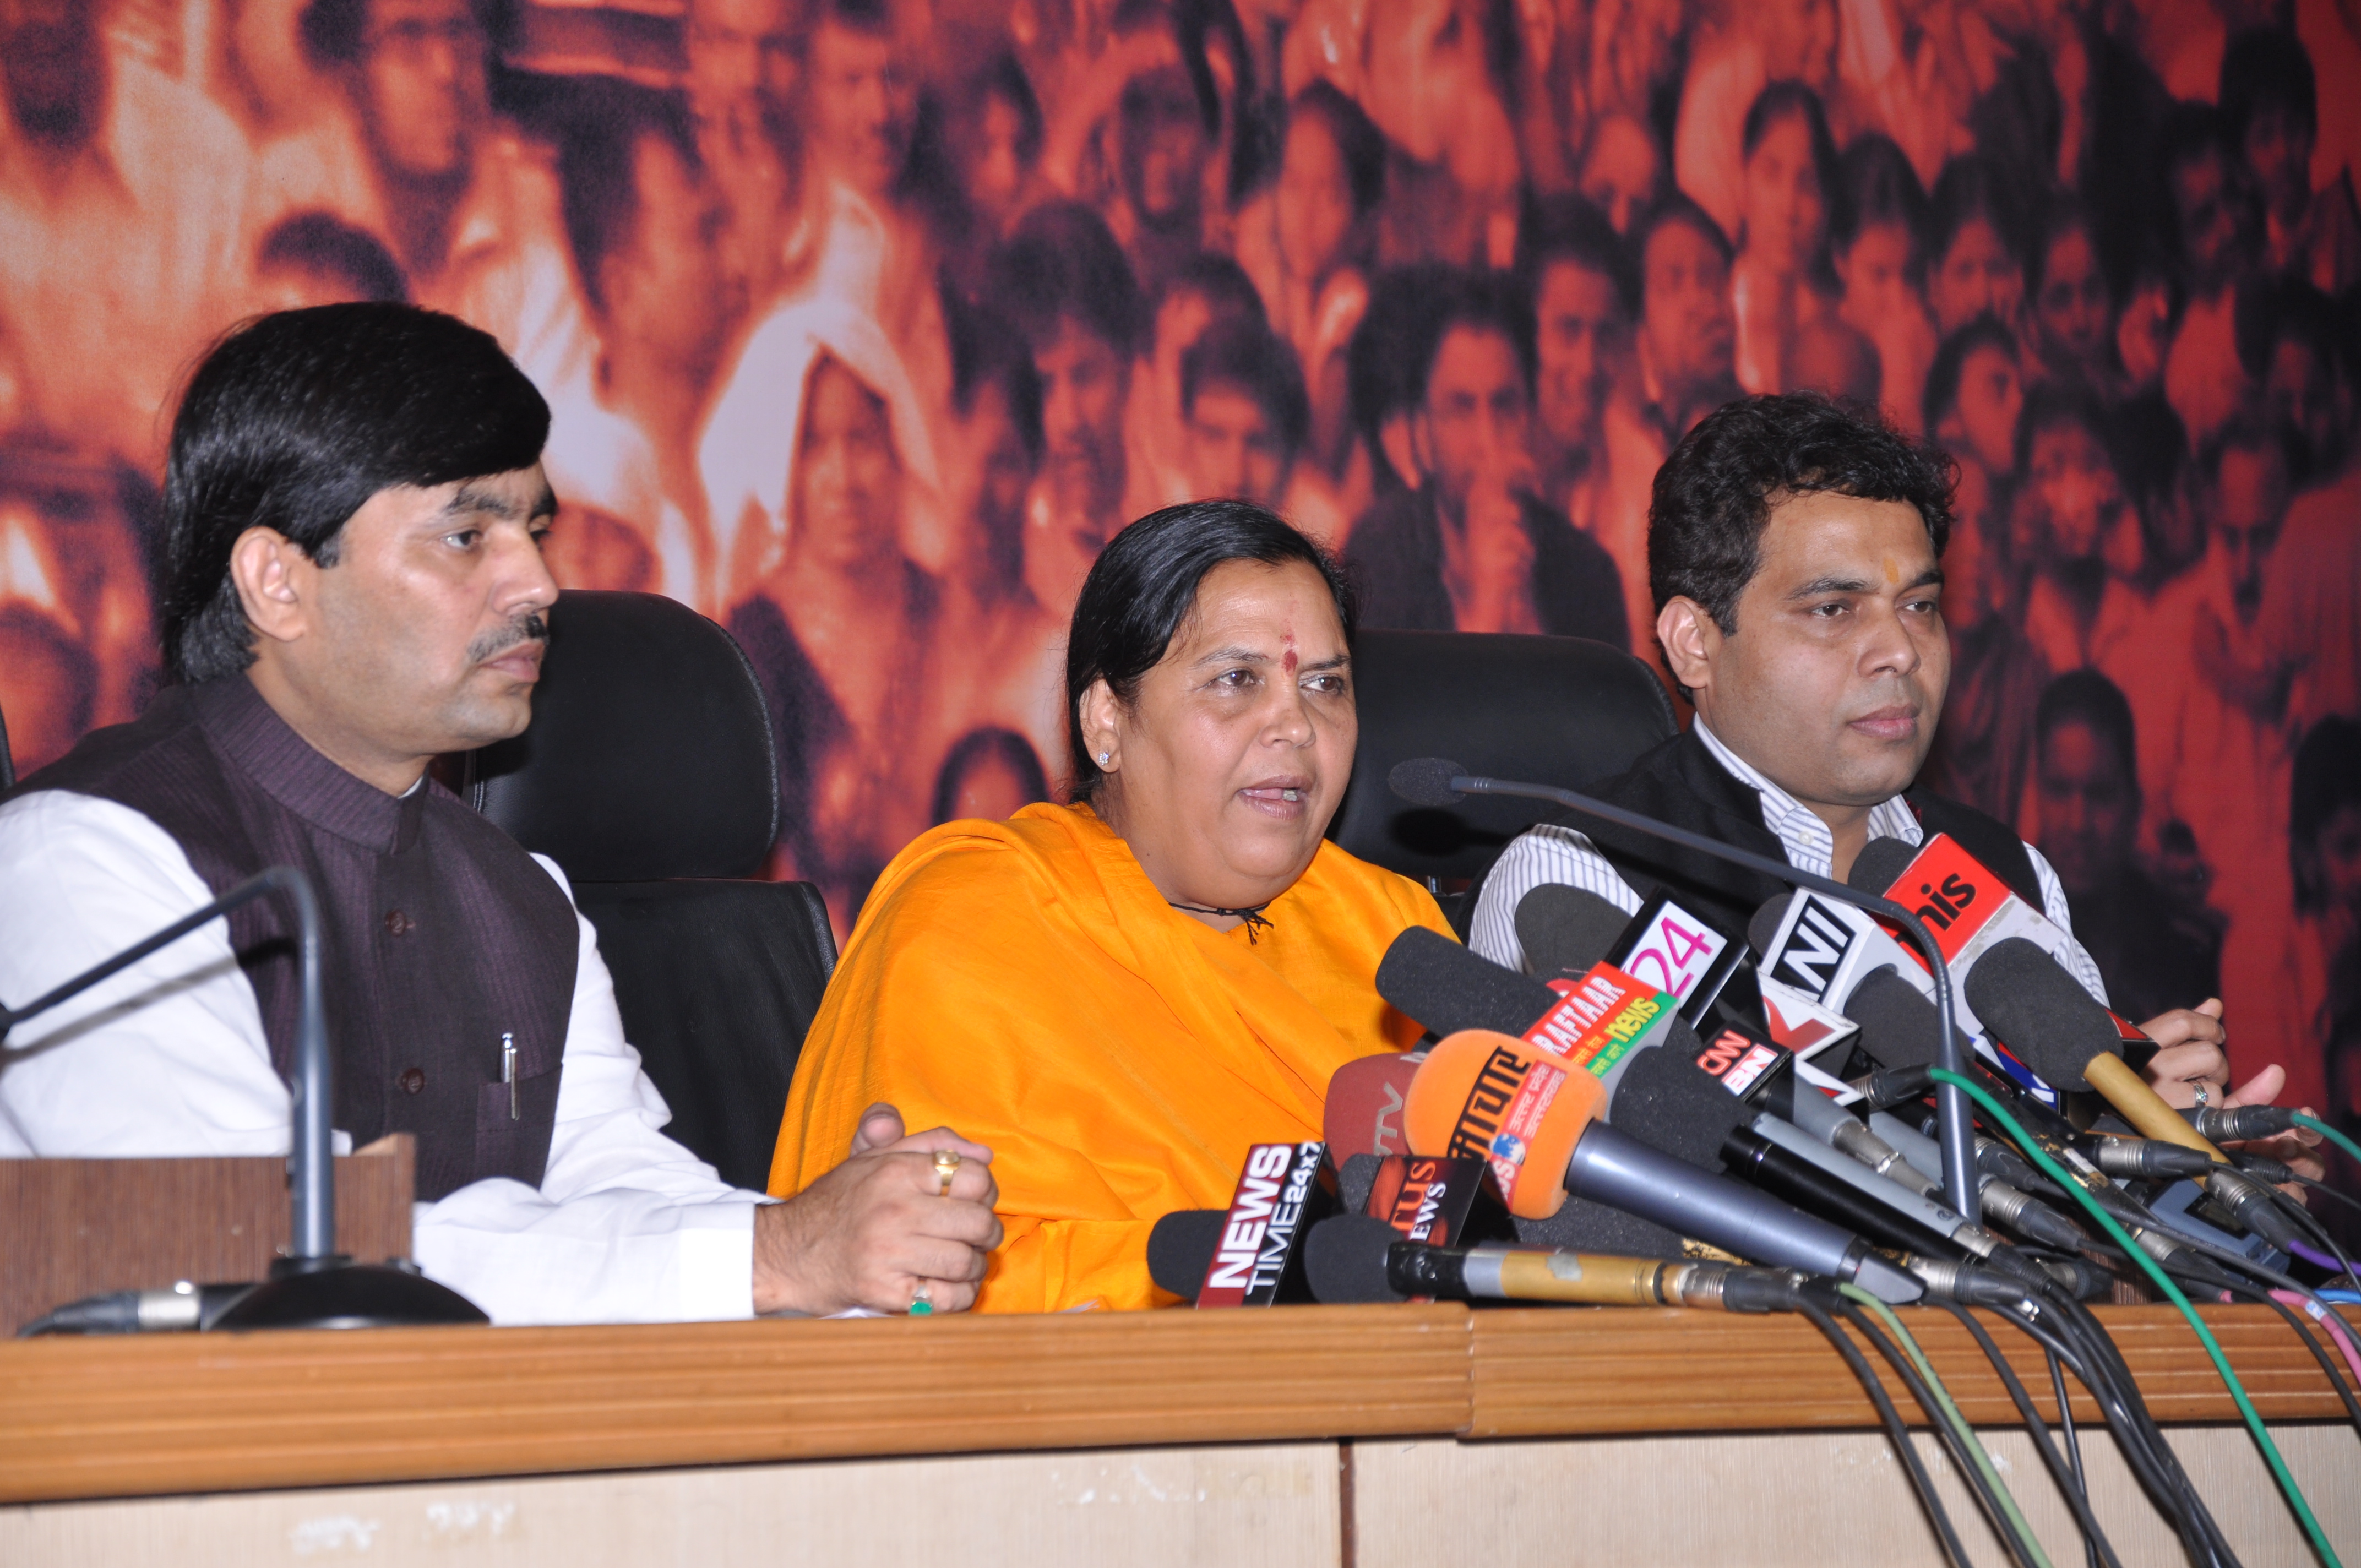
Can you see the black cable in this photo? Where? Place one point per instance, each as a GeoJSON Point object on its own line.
{"type": "Point", "coordinates": [2073, 1443]}
{"type": "Point", "coordinates": [2240, 1261]}
{"type": "Point", "coordinates": [2068, 1483]}
{"type": "Point", "coordinates": [2319, 1186]}
{"type": "Point", "coordinates": [2309, 1222]}
{"type": "Point", "coordinates": [1960, 1459]}
{"type": "Point", "coordinates": [2312, 1344]}
{"type": "Point", "coordinates": [1895, 1432]}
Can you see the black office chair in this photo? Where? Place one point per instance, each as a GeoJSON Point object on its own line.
{"type": "Point", "coordinates": [649, 775]}
{"type": "Point", "coordinates": [1555, 710]}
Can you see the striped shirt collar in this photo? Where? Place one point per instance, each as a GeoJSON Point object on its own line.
{"type": "Point", "coordinates": [1810, 846]}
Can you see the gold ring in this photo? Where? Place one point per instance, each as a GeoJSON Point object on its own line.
{"type": "Point", "coordinates": [947, 1164]}
{"type": "Point", "coordinates": [922, 1299]}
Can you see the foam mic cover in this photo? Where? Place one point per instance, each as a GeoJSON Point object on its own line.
{"type": "Point", "coordinates": [1489, 1095]}
{"type": "Point", "coordinates": [1180, 1248]}
{"type": "Point", "coordinates": [1899, 1026]}
{"type": "Point", "coordinates": [1763, 930]}
{"type": "Point", "coordinates": [1566, 930]}
{"type": "Point", "coordinates": [1355, 1178]}
{"type": "Point", "coordinates": [1671, 1104]}
{"type": "Point", "coordinates": [1364, 1109]}
{"type": "Point", "coordinates": [2040, 1013]}
{"type": "Point", "coordinates": [1879, 865]}
{"type": "Point", "coordinates": [1585, 1226]}
{"type": "Point", "coordinates": [1346, 1259]}
{"type": "Point", "coordinates": [1426, 781]}
{"type": "Point", "coordinates": [1431, 978]}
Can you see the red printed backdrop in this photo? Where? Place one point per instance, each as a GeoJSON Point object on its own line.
{"type": "Point", "coordinates": [865, 323]}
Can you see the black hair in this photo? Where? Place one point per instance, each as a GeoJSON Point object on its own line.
{"type": "Point", "coordinates": [2057, 403]}
{"type": "Point", "coordinates": [978, 748]}
{"type": "Point", "coordinates": [871, 16]}
{"type": "Point", "coordinates": [2284, 310]}
{"type": "Point", "coordinates": [1358, 141]}
{"type": "Point", "coordinates": [1379, 359]}
{"type": "Point", "coordinates": [1942, 392]}
{"type": "Point", "coordinates": [2191, 131]}
{"type": "Point", "coordinates": [1678, 208]}
{"type": "Point", "coordinates": [1244, 354]}
{"type": "Point", "coordinates": [2266, 67]}
{"type": "Point", "coordinates": [2090, 699]}
{"type": "Point", "coordinates": [1221, 282]}
{"type": "Point", "coordinates": [1714, 495]}
{"type": "Point", "coordinates": [1570, 229]}
{"type": "Point", "coordinates": [1004, 78]}
{"type": "Point", "coordinates": [1973, 187]}
{"type": "Point", "coordinates": [2250, 430]}
{"type": "Point", "coordinates": [335, 31]}
{"type": "Point", "coordinates": [986, 350]}
{"type": "Point", "coordinates": [295, 419]}
{"type": "Point", "coordinates": [2326, 779]}
{"type": "Point", "coordinates": [1143, 589]}
{"type": "Point", "coordinates": [1479, 301]}
{"type": "Point", "coordinates": [1876, 185]}
{"type": "Point", "coordinates": [322, 242]}
{"type": "Point", "coordinates": [599, 189]}
{"type": "Point", "coordinates": [2152, 451]}
{"type": "Point", "coordinates": [1063, 262]}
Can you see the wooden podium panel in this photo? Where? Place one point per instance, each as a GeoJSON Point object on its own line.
{"type": "Point", "coordinates": [76, 1227]}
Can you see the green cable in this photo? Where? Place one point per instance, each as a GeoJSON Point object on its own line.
{"type": "Point", "coordinates": [2049, 1167]}
{"type": "Point", "coordinates": [1968, 1441]}
{"type": "Point", "coordinates": [2317, 1125]}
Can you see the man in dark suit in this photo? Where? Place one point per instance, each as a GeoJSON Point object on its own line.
{"type": "Point", "coordinates": [1472, 549]}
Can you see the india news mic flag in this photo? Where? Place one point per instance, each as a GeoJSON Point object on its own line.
{"type": "Point", "coordinates": [1259, 1257]}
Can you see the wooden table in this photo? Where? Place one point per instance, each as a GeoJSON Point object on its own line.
{"type": "Point", "coordinates": [1339, 1434]}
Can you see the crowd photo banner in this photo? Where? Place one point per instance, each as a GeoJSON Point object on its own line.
{"type": "Point", "coordinates": [865, 324]}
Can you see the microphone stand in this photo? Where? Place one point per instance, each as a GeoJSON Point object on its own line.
{"type": "Point", "coordinates": [1957, 1130]}
{"type": "Point", "coordinates": [315, 1286]}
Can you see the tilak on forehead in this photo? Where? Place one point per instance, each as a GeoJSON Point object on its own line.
{"type": "Point", "coordinates": [1286, 651]}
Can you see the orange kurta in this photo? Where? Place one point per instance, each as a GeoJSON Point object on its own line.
{"type": "Point", "coordinates": [1025, 983]}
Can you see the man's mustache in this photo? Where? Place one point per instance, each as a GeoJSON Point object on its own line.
{"type": "Point", "coordinates": [492, 645]}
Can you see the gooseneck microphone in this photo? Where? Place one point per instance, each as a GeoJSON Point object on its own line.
{"type": "Point", "coordinates": [1433, 781]}
{"type": "Point", "coordinates": [313, 1286]}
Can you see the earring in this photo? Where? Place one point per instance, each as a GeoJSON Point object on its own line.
{"type": "Point", "coordinates": [1103, 758]}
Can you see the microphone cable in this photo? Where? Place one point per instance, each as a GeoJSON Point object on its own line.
{"type": "Point", "coordinates": [1896, 1433]}
{"type": "Point", "coordinates": [2070, 1484]}
{"type": "Point", "coordinates": [2296, 1502]}
{"type": "Point", "coordinates": [1959, 1438]}
{"type": "Point", "coordinates": [2311, 1342]}
{"type": "Point", "coordinates": [2073, 1444]}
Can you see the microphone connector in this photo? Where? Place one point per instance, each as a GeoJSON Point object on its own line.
{"type": "Point", "coordinates": [1719, 1287]}
{"type": "Point", "coordinates": [2002, 1163]}
{"type": "Point", "coordinates": [1891, 1086]}
{"type": "Point", "coordinates": [2261, 1165]}
{"type": "Point", "coordinates": [2146, 1157]}
{"type": "Point", "coordinates": [183, 1307]}
{"type": "Point", "coordinates": [1969, 1284]}
{"type": "Point", "coordinates": [2035, 1220]}
{"type": "Point", "coordinates": [2256, 1205]}
{"type": "Point", "coordinates": [2237, 1124]}
{"type": "Point", "coordinates": [1853, 1137]}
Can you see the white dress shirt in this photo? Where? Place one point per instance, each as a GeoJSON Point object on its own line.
{"type": "Point", "coordinates": [1550, 853]}
{"type": "Point", "coordinates": [168, 1058]}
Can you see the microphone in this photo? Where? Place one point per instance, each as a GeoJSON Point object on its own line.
{"type": "Point", "coordinates": [1500, 1098]}
{"type": "Point", "coordinates": [1257, 1257]}
{"type": "Point", "coordinates": [1363, 1112]}
{"type": "Point", "coordinates": [1353, 1258]}
{"type": "Point", "coordinates": [1564, 929]}
{"type": "Point", "coordinates": [1180, 1248]}
{"type": "Point", "coordinates": [313, 1286]}
{"type": "Point", "coordinates": [2075, 1043]}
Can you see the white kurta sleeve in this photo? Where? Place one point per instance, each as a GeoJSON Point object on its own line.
{"type": "Point", "coordinates": [170, 1058]}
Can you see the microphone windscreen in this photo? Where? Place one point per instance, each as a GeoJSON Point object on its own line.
{"type": "Point", "coordinates": [2037, 1011]}
{"type": "Point", "coordinates": [1674, 1107]}
{"type": "Point", "coordinates": [1356, 1177]}
{"type": "Point", "coordinates": [1426, 781]}
{"type": "Point", "coordinates": [1431, 978]}
{"type": "Point", "coordinates": [1345, 1260]}
{"type": "Point", "coordinates": [1585, 1226]}
{"type": "Point", "coordinates": [1364, 1113]}
{"type": "Point", "coordinates": [1494, 1096]}
{"type": "Point", "coordinates": [1879, 862]}
{"type": "Point", "coordinates": [1566, 930]}
{"type": "Point", "coordinates": [1763, 930]}
{"type": "Point", "coordinates": [1180, 1248]}
{"type": "Point", "coordinates": [1898, 1026]}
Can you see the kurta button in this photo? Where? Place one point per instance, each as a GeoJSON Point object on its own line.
{"type": "Point", "coordinates": [398, 923]}
{"type": "Point", "coordinates": [413, 1079]}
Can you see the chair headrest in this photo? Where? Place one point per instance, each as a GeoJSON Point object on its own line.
{"type": "Point", "coordinates": [649, 753]}
{"type": "Point", "coordinates": [1555, 710]}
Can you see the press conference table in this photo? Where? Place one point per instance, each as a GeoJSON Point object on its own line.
{"type": "Point", "coordinates": [1351, 1435]}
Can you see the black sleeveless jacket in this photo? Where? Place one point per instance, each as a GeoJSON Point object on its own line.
{"type": "Point", "coordinates": [1681, 783]}
{"type": "Point", "coordinates": [441, 933]}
